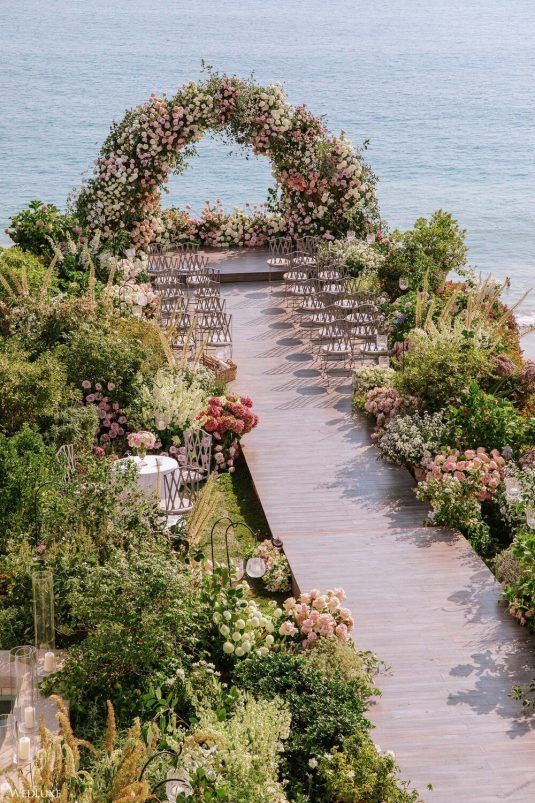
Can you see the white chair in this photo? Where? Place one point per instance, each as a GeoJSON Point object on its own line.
{"type": "Point", "coordinates": [180, 489]}
{"type": "Point", "coordinates": [66, 458]}
{"type": "Point", "coordinates": [198, 451]}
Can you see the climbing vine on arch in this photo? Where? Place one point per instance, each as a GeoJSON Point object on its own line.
{"type": "Point", "coordinates": [324, 186]}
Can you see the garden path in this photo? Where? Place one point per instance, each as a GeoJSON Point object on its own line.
{"type": "Point", "coordinates": [423, 601]}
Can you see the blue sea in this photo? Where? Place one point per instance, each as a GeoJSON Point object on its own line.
{"type": "Point", "coordinates": [442, 89]}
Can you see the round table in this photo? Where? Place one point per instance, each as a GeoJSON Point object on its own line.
{"type": "Point", "coordinates": [151, 471]}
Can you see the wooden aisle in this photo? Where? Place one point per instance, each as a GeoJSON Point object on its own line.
{"type": "Point", "coordinates": [423, 601]}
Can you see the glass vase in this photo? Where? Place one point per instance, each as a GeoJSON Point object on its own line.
{"type": "Point", "coordinates": [23, 671]}
{"type": "Point", "coordinates": [43, 619]}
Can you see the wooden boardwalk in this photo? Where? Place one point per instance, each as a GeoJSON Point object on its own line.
{"type": "Point", "coordinates": [422, 599]}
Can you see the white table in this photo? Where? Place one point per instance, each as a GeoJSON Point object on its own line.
{"type": "Point", "coordinates": [151, 471]}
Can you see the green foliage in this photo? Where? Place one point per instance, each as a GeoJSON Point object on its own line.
{"type": "Point", "coordinates": [138, 614]}
{"type": "Point", "coordinates": [76, 425]}
{"type": "Point", "coordinates": [481, 419]}
{"type": "Point", "coordinates": [106, 353]}
{"type": "Point", "coordinates": [34, 228]}
{"type": "Point", "coordinates": [424, 254]}
{"type": "Point", "coordinates": [439, 366]}
{"type": "Point", "coordinates": [358, 772]}
{"type": "Point", "coordinates": [520, 591]}
{"type": "Point", "coordinates": [242, 764]}
{"type": "Point", "coordinates": [324, 710]}
{"type": "Point", "coordinates": [30, 392]}
{"type": "Point", "coordinates": [24, 274]}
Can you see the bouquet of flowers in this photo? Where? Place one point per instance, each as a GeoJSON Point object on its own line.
{"type": "Point", "coordinates": [142, 441]}
{"type": "Point", "coordinates": [315, 615]}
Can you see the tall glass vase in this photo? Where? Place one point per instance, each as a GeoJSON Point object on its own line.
{"type": "Point", "coordinates": [23, 671]}
{"type": "Point", "coordinates": [43, 617]}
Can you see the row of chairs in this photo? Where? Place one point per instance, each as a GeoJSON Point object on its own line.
{"type": "Point", "coordinates": [190, 304]}
{"type": "Point", "coordinates": [343, 324]}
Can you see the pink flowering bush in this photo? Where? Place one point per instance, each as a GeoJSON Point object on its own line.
{"type": "Point", "coordinates": [112, 420]}
{"type": "Point", "coordinates": [314, 615]}
{"type": "Point", "coordinates": [385, 404]}
{"type": "Point", "coordinates": [324, 186]}
{"type": "Point", "coordinates": [227, 418]}
{"type": "Point", "coordinates": [456, 485]}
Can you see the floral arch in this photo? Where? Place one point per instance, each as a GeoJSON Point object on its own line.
{"type": "Point", "coordinates": [324, 187]}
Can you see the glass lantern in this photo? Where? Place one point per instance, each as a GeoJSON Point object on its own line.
{"type": "Point", "coordinates": [23, 672]}
{"type": "Point", "coordinates": [43, 618]}
{"type": "Point", "coordinates": [255, 567]}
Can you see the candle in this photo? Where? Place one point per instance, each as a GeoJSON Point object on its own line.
{"type": "Point", "coordinates": [24, 748]}
{"type": "Point", "coordinates": [50, 662]}
{"type": "Point", "coordinates": [29, 717]}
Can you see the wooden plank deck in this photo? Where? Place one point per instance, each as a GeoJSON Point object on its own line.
{"type": "Point", "coordinates": [422, 599]}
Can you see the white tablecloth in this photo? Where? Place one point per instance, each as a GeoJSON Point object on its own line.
{"type": "Point", "coordinates": [151, 471]}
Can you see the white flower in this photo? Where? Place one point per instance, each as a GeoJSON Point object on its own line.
{"type": "Point", "coordinates": [228, 647]}
{"type": "Point", "coordinates": [312, 763]}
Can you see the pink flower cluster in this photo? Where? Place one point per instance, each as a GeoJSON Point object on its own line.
{"type": "Point", "coordinates": [142, 440]}
{"type": "Point", "coordinates": [227, 418]}
{"type": "Point", "coordinates": [481, 472]}
{"type": "Point", "coordinates": [226, 415]}
{"type": "Point", "coordinates": [112, 421]}
{"type": "Point", "coordinates": [385, 404]}
{"type": "Point", "coordinates": [314, 615]}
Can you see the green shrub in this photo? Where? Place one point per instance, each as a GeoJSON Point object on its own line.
{"type": "Point", "coordinates": [324, 710]}
{"type": "Point", "coordinates": [105, 354]}
{"type": "Point", "coordinates": [439, 366]}
{"type": "Point", "coordinates": [358, 772]}
{"type": "Point", "coordinates": [76, 425]}
{"type": "Point", "coordinates": [424, 254]}
{"type": "Point", "coordinates": [520, 592]}
{"type": "Point", "coordinates": [481, 419]}
{"type": "Point", "coordinates": [138, 614]}
{"type": "Point", "coordinates": [33, 228]}
{"type": "Point", "coordinates": [23, 273]}
{"type": "Point", "coordinates": [26, 462]}
{"type": "Point", "coordinates": [30, 392]}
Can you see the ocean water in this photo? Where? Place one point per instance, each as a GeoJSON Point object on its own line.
{"type": "Point", "coordinates": [442, 89]}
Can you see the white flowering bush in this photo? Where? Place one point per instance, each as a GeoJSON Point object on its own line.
{"type": "Point", "coordinates": [238, 754]}
{"type": "Point", "coordinates": [323, 185]}
{"type": "Point", "coordinates": [359, 256]}
{"type": "Point", "coordinates": [413, 440]}
{"type": "Point", "coordinates": [243, 628]}
{"type": "Point", "coordinates": [170, 401]}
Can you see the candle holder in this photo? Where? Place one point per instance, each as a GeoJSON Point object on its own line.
{"type": "Point", "coordinates": [24, 746]}
{"type": "Point", "coordinates": [43, 620]}
{"type": "Point", "coordinates": [23, 673]}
